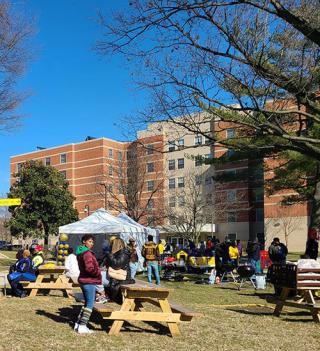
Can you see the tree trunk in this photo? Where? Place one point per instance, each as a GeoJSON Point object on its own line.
{"type": "Point", "coordinates": [315, 207]}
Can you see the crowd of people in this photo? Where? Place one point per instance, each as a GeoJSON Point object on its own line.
{"type": "Point", "coordinates": [101, 281]}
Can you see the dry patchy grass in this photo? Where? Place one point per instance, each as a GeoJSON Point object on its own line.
{"type": "Point", "coordinates": [231, 320]}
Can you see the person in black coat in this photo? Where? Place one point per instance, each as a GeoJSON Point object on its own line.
{"type": "Point", "coordinates": [312, 248]}
{"type": "Point", "coordinates": [118, 259]}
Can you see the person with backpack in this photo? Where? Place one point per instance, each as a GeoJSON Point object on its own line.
{"type": "Point", "coordinates": [150, 252]}
{"type": "Point", "coordinates": [277, 251]}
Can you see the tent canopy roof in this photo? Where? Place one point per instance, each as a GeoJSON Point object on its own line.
{"type": "Point", "coordinates": [101, 222]}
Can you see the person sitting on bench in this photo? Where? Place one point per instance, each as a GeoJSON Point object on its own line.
{"type": "Point", "coordinates": [23, 269]}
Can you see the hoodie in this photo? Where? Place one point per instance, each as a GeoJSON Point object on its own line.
{"type": "Point", "coordinates": [88, 265]}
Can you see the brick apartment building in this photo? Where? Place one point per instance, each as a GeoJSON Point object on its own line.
{"type": "Point", "coordinates": [155, 169]}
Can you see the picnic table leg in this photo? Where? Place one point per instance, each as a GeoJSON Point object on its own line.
{"type": "Point", "coordinates": [314, 311]}
{"type": "Point", "coordinates": [173, 327]}
{"type": "Point", "coordinates": [116, 325]}
{"type": "Point", "coordinates": [65, 280]}
{"type": "Point", "coordinates": [35, 291]}
{"type": "Point", "coordinates": [281, 301]}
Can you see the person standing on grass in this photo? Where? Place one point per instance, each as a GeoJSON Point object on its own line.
{"type": "Point", "coordinates": [133, 257]}
{"type": "Point", "coordinates": [253, 252]}
{"type": "Point", "coordinates": [150, 252]}
{"type": "Point", "coordinates": [278, 251]}
{"type": "Point", "coordinates": [89, 277]}
{"type": "Point", "coordinates": [234, 254]}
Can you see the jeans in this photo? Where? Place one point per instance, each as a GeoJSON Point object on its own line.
{"type": "Point", "coordinates": [256, 264]}
{"type": "Point", "coordinates": [133, 269]}
{"type": "Point", "coordinates": [14, 280]}
{"type": "Point", "coordinates": [105, 282]}
{"type": "Point", "coordinates": [153, 266]}
{"type": "Point", "coordinates": [89, 293]}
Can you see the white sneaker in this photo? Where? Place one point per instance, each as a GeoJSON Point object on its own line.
{"type": "Point", "coordinates": [76, 326]}
{"type": "Point", "coordinates": [83, 329]}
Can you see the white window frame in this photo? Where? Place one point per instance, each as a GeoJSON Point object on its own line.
{"type": "Point", "coordinates": [63, 158]}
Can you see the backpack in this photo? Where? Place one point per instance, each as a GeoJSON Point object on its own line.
{"type": "Point", "coordinates": [150, 252]}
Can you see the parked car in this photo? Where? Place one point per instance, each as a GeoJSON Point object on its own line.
{"type": "Point", "coordinates": [3, 244]}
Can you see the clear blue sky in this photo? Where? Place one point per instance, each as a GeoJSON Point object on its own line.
{"type": "Point", "coordinates": [74, 93]}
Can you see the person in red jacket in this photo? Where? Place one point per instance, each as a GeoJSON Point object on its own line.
{"type": "Point", "coordinates": [90, 276]}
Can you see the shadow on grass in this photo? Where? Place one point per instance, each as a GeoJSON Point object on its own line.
{"type": "Point", "coordinates": [68, 315]}
{"type": "Point", "coordinates": [265, 311]}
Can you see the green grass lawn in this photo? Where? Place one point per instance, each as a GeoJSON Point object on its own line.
{"type": "Point", "coordinates": [232, 320]}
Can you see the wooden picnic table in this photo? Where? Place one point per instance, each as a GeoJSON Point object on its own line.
{"type": "Point", "coordinates": [50, 278]}
{"type": "Point", "coordinates": [303, 281]}
{"type": "Point", "coordinates": [135, 296]}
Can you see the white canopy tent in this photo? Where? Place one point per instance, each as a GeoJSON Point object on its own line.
{"type": "Point", "coordinates": [102, 224]}
{"type": "Point", "coordinates": [147, 230]}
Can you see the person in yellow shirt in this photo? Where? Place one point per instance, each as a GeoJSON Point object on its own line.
{"type": "Point", "coordinates": [161, 246]}
{"type": "Point", "coordinates": [234, 254]}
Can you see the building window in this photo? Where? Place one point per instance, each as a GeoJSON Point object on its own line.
{"type": "Point", "coordinates": [181, 182]}
{"type": "Point", "coordinates": [172, 183]}
{"type": "Point", "coordinates": [63, 158]}
{"type": "Point", "coordinates": [171, 146]}
{"type": "Point", "coordinates": [259, 215]}
{"type": "Point", "coordinates": [198, 161]}
{"type": "Point", "coordinates": [150, 185]}
{"type": "Point", "coordinates": [110, 188]}
{"type": "Point", "coordinates": [207, 140]}
{"type": "Point", "coordinates": [64, 174]}
{"type": "Point", "coordinates": [231, 195]}
{"type": "Point", "coordinates": [232, 236]}
{"type": "Point", "coordinates": [110, 172]}
{"type": "Point", "coordinates": [180, 163]}
{"type": "Point", "coordinates": [150, 149]}
{"type": "Point", "coordinates": [231, 133]}
{"type": "Point", "coordinates": [180, 143]}
{"type": "Point", "coordinates": [230, 152]}
{"type": "Point", "coordinates": [150, 204]}
{"type": "Point", "coordinates": [151, 221]}
{"type": "Point", "coordinates": [47, 161]}
{"type": "Point", "coordinates": [172, 165]}
{"type": "Point", "coordinates": [198, 179]}
{"type": "Point", "coordinates": [172, 201]}
{"type": "Point", "coordinates": [181, 201]}
{"type": "Point", "coordinates": [110, 153]}
{"type": "Point", "coordinates": [150, 167]}
{"type": "Point", "coordinates": [231, 217]}
{"type": "Point", "coordinates": [119, 155]}
{"type": "Point", "coordinates": [198, 140]}
{"type": "Point", "coordinates": [19, 166]}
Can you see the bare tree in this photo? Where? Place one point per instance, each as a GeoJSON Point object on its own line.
{"type": "Point", "coordinates": [128, 187]}
{"type": "Point", "coordinates": [287, 223]}
{"type": "Point", "coordinates": [228, 58]}
{"type": "Point", "coordinates": [15, 32]}
{"type": "Point", "coordinates": [253, 64]}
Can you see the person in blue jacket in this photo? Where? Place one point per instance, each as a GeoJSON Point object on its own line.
{"type": "Point", "coordinates": [23, 269]}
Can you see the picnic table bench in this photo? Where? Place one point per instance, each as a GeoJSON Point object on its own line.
{"type": "Point", "coordinates": [303, 280]}
{"type": "Point", "coordinates": [50, 278]}
{"type": "Point", "coordinates": [135, 296]}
